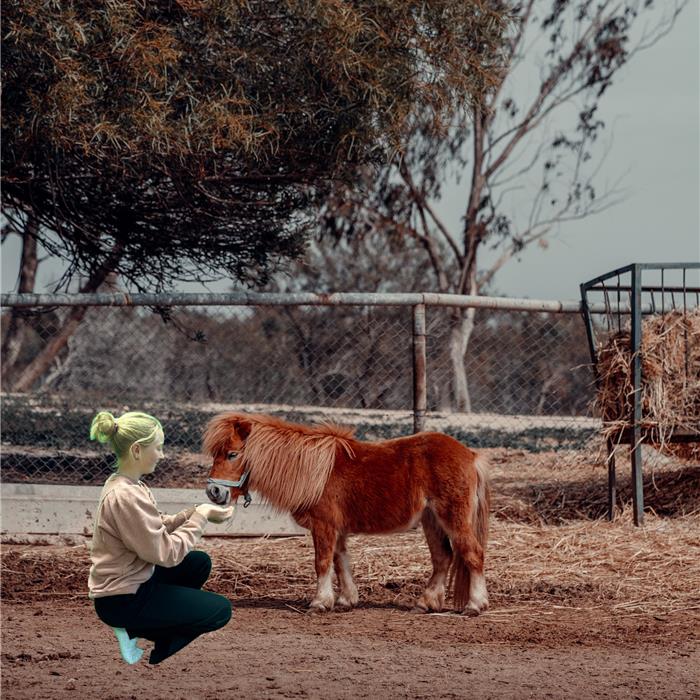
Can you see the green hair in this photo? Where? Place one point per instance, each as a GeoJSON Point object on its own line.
{"type": "Point", "coordinates": [121, 433]}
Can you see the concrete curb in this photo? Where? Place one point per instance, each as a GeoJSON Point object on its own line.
{"type": "Point", "coordinates": [42, 509]}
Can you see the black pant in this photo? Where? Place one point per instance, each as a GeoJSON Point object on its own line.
{"type": "Point", "coordinates": [169, 609]}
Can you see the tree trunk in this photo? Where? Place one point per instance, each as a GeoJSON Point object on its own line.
{"type": "Point", "coordinates": [462, 321]}
{"type": "Point", "coordinates": [461, 327]}
{"type": "Point", "coordinates": [16, 327]}
{"type": "Point", "coordinates": [305, 355]}
{"type": "Point", "coordinates": [40, 364]}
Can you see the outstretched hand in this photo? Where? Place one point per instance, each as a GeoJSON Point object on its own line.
{"type": "Point", "coordinates": [215, 514]}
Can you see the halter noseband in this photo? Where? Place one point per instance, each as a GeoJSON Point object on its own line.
{"type": "Point", "coordinates": [236, 485]}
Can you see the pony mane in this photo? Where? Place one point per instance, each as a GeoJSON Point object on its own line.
{"type": "Point", "coordinates": [218, 433]}
{"type": "Point", "coordinates": [289, 463]}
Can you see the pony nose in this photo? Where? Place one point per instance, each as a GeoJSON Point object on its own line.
{"type": "Point", "coordinates": [218, 494]}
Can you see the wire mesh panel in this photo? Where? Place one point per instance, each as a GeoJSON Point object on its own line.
{"type": "Point", "coordinates": [322, 356]}
{"type": "Point", "coordinates": [184, 364]}
{"type": "Point", "coordinates": [496, 378]}
{"type": "Point", "coordinates": [527, 378]}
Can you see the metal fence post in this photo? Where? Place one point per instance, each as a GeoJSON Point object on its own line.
{"type": "Point", "coordinates": [636, 349]}
{"type": "Point", "coordinates": [612, 479]}
{"type": "Point", "coordinates": [420, 395]}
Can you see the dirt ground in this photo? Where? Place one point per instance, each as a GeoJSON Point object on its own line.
{"type": "Point", "coordinates": [580, 608]}
{"type": "Point", "coordinates": [60, 650]}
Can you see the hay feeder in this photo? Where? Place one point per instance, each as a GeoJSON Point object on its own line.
{"type": "Point", "coordinates": [643, 328]}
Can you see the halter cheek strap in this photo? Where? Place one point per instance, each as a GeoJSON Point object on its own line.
{"type": "Point", "coordinates": [236, 485]}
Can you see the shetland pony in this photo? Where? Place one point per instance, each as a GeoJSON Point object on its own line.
{"type": "Point", "coordinates": [335, 485]}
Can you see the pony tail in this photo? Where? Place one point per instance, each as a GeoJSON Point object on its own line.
{"type": "Point", "coordinates": [471, 554]}
{"type": "Point", "coordinates": [483, 501]}
{"type": "Point", "coordinates": [104, 427]}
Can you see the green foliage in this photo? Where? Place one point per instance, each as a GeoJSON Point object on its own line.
{"type": "Point", "coordinates": [524, 170]}
{"type": "Point", "coordinates": [23, 424]}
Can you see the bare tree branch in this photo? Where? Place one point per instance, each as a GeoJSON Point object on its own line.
{"type": "Point", "coordinates": [546, 89]}
{"type": "Point", "coordinates": [423, 204]}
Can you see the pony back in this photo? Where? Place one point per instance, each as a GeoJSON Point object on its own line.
{"type": "Point", "coordinates": [290, 464]}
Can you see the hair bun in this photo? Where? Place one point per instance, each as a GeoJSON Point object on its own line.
{"type": "Point", "coordinates": [104, 426]}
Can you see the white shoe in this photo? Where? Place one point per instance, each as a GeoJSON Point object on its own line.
{"type": "Point", "coordinates": [130, 652]}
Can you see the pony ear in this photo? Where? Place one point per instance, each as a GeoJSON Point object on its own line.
{"type": "Point", "coordinates": [243, 428]}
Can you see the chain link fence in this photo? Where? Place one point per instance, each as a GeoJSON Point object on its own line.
{"type": "Point", "coordinates": [528, 375]}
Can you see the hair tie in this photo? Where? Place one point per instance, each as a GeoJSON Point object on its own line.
{"type": "Point", "coordinates": [116, 427]}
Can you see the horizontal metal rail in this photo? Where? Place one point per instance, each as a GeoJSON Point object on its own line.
{"type": "Point", "coordinates": [303, 299]}
{"type": "Point", "coordinates": [641, 266]}
{"type": "Point", "coordinates": [646, 288]}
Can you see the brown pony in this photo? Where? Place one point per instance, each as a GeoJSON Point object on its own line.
{"type": "Point", "coordinates": [336, 485]}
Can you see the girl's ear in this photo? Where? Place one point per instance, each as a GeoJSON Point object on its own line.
{"type": "Point", "coordinates": [135, 451]}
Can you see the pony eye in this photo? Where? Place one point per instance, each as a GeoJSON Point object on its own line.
{"type": "Point", "coordinates": [232, 455]}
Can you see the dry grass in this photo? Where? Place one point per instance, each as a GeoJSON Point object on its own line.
{"type": "Point", "coordinates": [670, 362]}
{"type": "Point", "coordinates": [583, 565]}
{"type": "Point", "coordinates": [557, 488]}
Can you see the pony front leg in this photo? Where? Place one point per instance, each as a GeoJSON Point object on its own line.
{"type": "Point", "coordinates": [324, 537]}
{"type": "Point", "coordinates": [348, 591]}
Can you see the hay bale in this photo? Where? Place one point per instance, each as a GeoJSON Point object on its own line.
{"type": "Point", "coordinates": [670, 360]}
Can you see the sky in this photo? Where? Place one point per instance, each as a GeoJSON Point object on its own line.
{"type": "Point", "coordinates": [653, 112]}
{"type": "Point", "coordinates": [652, 140]}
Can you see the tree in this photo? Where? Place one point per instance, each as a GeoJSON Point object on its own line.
{"type": "Point", "coordinates": [14, 330]}
{"type": "Point", "coordinates": [178, 140]}
{"type": "Point", "coordinates": [183, 139]}
{"type": "Point", "coordinates": [499, 139]}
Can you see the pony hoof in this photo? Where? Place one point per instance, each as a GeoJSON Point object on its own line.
{"type": "Point", "coordinates": [419, 610]}
{"type": "Point", "coordinates": [343, 604]}
{"type": "Point", "coordinates": [471, 611]}
{"type": "Point", "coordinates": [318, 608]}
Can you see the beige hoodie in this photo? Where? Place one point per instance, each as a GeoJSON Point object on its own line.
{"type": "Point", "coordinates": [131, 536]}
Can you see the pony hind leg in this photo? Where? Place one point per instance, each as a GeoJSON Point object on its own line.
{"type": "Point", "coordinates": [466, 522]}
{"type": "Point", "coordinates": [324, 537]}
{"type": "Point", "coordinates": [433, 597]}
{"type": "Point", "coordinates": [341, 560]}
{"type": "Point", "coordinates": [467, 574]}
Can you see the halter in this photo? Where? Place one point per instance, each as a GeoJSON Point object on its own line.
{"type": "Point", "coordinates": [239, 484]}
{"type": "Point", "coordinates": [236, 485]}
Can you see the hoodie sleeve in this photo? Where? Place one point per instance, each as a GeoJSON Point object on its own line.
{"type": "Point", "coordinates": [142, 529]}
{"type": "Point", "coordinates": [172, 522]}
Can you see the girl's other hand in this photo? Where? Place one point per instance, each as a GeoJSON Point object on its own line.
{"type": "Point", "coordinates": [215, 514]}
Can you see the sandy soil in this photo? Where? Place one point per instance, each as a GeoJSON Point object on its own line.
{"type": "Point", "coordinates": [60, 650]}
{"type": "Point", "coordinates": [566, 621]}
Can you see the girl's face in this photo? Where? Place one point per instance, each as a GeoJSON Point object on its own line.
{"type": "Point", "coordinates": [151, 454]}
